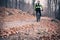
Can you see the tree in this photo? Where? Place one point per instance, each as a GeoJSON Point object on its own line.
{"type": "Point", "coordinates": [15, 3]}
{"type": "Point", "coordinates": [33, 2]}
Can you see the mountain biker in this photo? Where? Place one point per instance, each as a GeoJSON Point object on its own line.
{"type": "Point", "coordinates": [38, 9]}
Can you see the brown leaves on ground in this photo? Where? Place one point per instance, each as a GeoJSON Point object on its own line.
{"type": "Point", "coordinates": [9, 14]}
{"type": "Point", "coordinates": [46, 27]}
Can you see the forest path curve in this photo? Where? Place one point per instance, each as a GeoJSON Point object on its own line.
{"type": "Point", "coordinates": [21, 23]}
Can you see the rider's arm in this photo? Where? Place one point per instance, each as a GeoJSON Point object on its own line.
{"type": "Point", "coordinates": [41, 7]}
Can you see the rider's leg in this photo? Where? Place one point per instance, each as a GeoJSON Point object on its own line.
{"type": "Point", "coordinates": [37, 17]}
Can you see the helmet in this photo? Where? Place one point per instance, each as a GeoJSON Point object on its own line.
{"type": "Point", "coordinates": [38, 1]}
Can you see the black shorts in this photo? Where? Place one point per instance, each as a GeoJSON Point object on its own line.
{"type": "Point", "coordinates": [38, 11]}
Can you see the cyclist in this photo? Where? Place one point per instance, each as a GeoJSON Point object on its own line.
{"type": "Point", "coordinates": [38, 8]}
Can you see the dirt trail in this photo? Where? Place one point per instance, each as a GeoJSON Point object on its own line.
{"type": "Point", "coordinates": [20, 23]}
{"type": "Point", "coordinates": [32, 30]}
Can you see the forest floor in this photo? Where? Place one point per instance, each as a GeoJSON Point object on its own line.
{"type": "Point", "coordinates": [19, 25]}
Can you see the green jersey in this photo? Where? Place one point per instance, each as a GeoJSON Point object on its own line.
{"type": "Point", "coordinates": [37, 5]}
